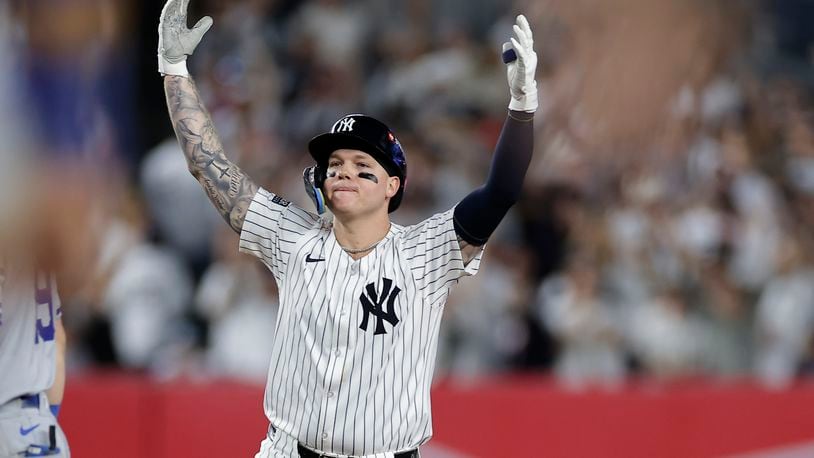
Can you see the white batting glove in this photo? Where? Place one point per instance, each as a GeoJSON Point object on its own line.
{"type": "Point", "coordinates": [521, 64]}
{"type": "Point", "coordinates": [175, 40]}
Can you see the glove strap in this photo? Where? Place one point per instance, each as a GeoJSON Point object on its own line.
{"type": "Point", "coordinates": [527, 103]}
{"type": "Point", "coordinates": [177, 69]}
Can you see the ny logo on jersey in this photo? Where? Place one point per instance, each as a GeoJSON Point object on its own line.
{"type": "Point", "coordinates": [345, 125]}
{"type": "Point", "coordinates": [373, 304]}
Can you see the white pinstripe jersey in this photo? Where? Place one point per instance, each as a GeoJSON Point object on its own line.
{"type": "Point", "coordinates": [29, 308]}
{"type": "Point", "coordinates": [355, 340]}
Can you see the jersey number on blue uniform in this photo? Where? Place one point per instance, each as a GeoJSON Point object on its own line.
{"type": "Point", "coordinates": [45, 317]}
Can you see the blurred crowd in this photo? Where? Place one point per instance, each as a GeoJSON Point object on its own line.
{"type": "Point", "coordinates": [665, 229]}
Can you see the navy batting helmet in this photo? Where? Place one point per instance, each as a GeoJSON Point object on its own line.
{"type": "Point", "coordinates": [363, 133]}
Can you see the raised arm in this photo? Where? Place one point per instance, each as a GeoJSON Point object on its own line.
{"type": "Point", "coordinates": [226, 185]}
{"type": "Point", "coordinates": [229, 189]}
{"type": "Point", "coordinates": [480, 212]}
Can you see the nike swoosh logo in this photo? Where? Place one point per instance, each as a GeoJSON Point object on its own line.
{"type": "Point", "coordinates": [25, 432]}
{"type": "Point", "coordinates": [308, 258]}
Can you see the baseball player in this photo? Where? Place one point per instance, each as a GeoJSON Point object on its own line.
{"type": "Point", "coordinates": [360, 298]}
{"type": "Point", "coordinates": [32, 363]}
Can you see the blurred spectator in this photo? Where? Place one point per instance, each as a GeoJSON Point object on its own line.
{"type": "Point", "coordinates": [784, 319]}
{"type": "Point", "coordinates": [240, 304]}
{"type": "Point", "coordinates": [666, 336]}
{"type": "Point", "coordinates": [728, 341]}
{"type": "Point", "coordinates": [586, 325]}
{"type": "Point", "coordinates": [476, 337]}
{"type": "Point", "coordinates": [335, 31]}
{"type": "Point", "coordinates": [182, 215]}
{"type": "Point", "coordinates": [147, 291]}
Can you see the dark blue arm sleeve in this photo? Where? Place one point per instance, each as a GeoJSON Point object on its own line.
{"type": "Point", "coordinates": [479, 213]}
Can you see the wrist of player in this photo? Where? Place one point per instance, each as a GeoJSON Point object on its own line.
{"type": "Point", "coordinates": [527, 101]}
{"type": "Point", "coordinates": [166, 67]}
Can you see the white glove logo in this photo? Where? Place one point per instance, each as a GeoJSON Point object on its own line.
{"type": "Point", "coordinates": [175, 40]}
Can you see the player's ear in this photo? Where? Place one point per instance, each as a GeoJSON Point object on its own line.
{"type": "Point", "coordinates": [393, 184]}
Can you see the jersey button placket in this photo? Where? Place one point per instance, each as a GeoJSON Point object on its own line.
{"type": "Point", "coordinates": [334, 375]}
{"type": "Point", "coordinates": [333, 371]}
{"type": "Point", "coordinates": [329, 403]}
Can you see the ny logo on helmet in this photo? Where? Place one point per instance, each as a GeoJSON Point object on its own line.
{"type": "Point", "coordinates": [373, 304]}
{"type": "Point", "coordinates": [345, 125]}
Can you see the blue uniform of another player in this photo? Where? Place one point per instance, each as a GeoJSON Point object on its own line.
{"type": "Point", "coordinates": [29, 330]}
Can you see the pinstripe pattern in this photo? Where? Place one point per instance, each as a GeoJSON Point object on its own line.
{"type": "Point", "coordinates": [332, 385]}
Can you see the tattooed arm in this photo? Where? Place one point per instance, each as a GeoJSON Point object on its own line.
{"type": "Point", "coordinates": [226, 185]}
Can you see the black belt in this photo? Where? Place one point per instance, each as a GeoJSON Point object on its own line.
{"type": "Point", "coordinates": [305, 452]}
